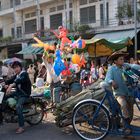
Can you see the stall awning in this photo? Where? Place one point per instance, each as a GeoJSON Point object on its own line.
{"type": "Point", "coordinates": [103, 47]}
{"type": "Point", "coordinates": [31, 50]}
{"type": "Point", "coordinates": [116, 36]}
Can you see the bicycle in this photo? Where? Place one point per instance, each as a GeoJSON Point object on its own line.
{"type": "Point", "coordinates": [93, 120]}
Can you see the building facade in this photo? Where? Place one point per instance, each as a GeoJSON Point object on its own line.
{"type": "Point", "coordinates": [22, 18]}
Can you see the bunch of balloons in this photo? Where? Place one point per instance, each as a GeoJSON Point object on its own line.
{"type": "Point", "coordinates": [60, 66]}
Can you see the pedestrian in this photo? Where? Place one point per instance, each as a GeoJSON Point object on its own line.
{"type": "Point", "coordinates": [5, 71]}
{"type": "Point", "coordinates": [132, 60]}
{"type": "Point", "coordinates": [94, 72]}
{"type": "Point", "coordinates": [41, 78]}
{"type": "Point", "coordinates": [102, 71]}
{"type": "Point", "coordinates": [10, 71]}
{"type": "Point", "coordinates": [31, 72]}
{"type": "Point", "coordinates": [38, 65]}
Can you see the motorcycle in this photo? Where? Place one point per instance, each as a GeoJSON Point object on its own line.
{"type": "Point", "coordinates": [33, 109]}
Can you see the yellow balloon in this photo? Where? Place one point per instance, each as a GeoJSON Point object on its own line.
{"type": "Point", "coordinates": [38, 40]}
{"type": "Point", "coordinates": [37, 45]}
{"type": "Point", "coordinates": [75, 59]}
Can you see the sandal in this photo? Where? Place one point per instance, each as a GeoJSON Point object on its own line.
{"type": "Point", "coordinates": [19, 130]}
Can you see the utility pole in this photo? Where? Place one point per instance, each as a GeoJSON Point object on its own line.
{"type": "Point", "coordinates": [135, 18]}
{"type": "Point", "coordinates": [38, 15]}
{"type": "Point", "coordinates": [15, 24]}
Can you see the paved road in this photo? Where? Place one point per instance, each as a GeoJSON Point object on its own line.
{"type": "Point", "coordinates": [46, 131]}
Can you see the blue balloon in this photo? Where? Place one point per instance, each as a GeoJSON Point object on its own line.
{"type": "Point", "coordinates": [79, 43]}
{"type": "Point", "coordinates": [58, 54]}
{"type": "Point", "coordinates": [58, 66]}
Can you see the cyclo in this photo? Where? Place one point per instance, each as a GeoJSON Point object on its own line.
{"type": "Point", "coordinates": [93, 119]}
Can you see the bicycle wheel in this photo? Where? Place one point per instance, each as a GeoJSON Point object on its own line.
{"type": "Point", "coordinates": [91, 122]}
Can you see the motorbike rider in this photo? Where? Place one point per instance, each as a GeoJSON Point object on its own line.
{"type": "Point", "coordinates": [22, 84]}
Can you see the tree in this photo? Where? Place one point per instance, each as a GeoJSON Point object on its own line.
{"type": "Point", "coordinates": [121, 12]}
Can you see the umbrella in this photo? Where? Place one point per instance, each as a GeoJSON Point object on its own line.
{"type": "Point", "coordinates": [11, 60]}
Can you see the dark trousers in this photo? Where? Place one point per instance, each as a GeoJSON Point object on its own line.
{"type": "Point", "coordinates": [1, 117]}
{"type": "Point", "coordinates": [21, 99]}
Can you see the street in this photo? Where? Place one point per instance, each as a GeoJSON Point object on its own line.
{"type": "Point", "coordinates": [47, 130]}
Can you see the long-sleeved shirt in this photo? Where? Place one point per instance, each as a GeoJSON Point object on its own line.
{"type": "Point", "coordinates": [116, 74]}
{"type": "Point", "coordinates": [23, 83]}
{"type": "Point", "coordinates": [51, 76]}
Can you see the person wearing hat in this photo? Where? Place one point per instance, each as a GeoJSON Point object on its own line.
{"type": "Point", "coordinates": [22, 84]}
{"type": "Point", "coordinates": [116, 78]}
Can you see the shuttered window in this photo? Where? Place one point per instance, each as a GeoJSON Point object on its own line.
{"type": "Point", "coordinates": [30, 26]}
{"type": "Point", "coordinates": [55, 21]}
{"type": "Point", "coordinates": [1, 33]}
{"type": "Point", "coordinates": [82, 2]}
{"type": "Point", "coordinates": [88, 15]}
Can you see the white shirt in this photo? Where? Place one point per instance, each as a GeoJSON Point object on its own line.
{"type": "Point", "coordinates": [51, 76]}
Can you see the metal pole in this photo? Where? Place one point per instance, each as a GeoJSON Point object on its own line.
{"type": "Point", "coordinates": [135, 18]}
{"type": "Point", "coordinates": [15, 24]}
{"type": "Point", "coordinates": [38, 15]}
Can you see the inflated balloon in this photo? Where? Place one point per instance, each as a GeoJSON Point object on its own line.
{"type": "Point", "coordinates": [74, 44]}
{"type": "Point", "coordinates": [82, 61]}
{"type": "Point", "coordinates": [49, 47]}
{"type": "Point", "coordinates": [66, 72]}
{"type": "Point", "coordinates": [75, 67]}
{"type": "Point", "coordinates": [46, 46]}
{"type": "Point", "coordinates": [81, 44]}
{"type": "Point", "coordinates": [75, 59]}
{"type": "Point", "coordinates": [37, 45]}
{"type": "Point", "coordinates": [63, 36]}
{"type": "Point", "coordinates": [38, 40]}
{"type": "Point", "coordinates": [58, 54]}
{"type": "Point", "coordinates": [59, 65]}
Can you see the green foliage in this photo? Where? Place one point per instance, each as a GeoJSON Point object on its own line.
{"type": "Point", "coordinates": [138, 15]}
{"type": "Point", "coordinates": [124, 11]}
{"type": "Point", "coordinates": [5, 39]}
{"type": "Point", "coordinates": [83, 28]}
{"type": "Point", "coordinates": [121, 12]}
{"type": "Point", "coordinates": [129, 11]}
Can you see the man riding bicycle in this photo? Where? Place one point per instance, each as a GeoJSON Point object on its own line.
{"type": "Point", "coordinates": [22, 84]}
{"type": "Point", "coordinates": [117, 78]}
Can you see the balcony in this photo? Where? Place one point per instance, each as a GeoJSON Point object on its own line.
{"type": "Point", "coordinates": [7, 8]}
{"type": "Point", "coordinates": [30, 3]}
{"type": "Point", "coordinates": [6, 12]}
